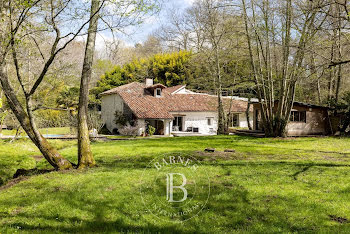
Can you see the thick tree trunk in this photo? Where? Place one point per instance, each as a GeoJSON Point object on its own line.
{"type": "Point", "coordinates": [50, 153]}
{"type": "Point", "coordinates": [85, 157]}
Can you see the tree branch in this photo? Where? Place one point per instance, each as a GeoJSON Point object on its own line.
{"type": "Point", "coordinates": [54, 52]}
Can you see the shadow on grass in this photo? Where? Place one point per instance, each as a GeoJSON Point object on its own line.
{"type": "Point", "coordinates": [229, 209]}
{"type": "Point", "coordinates": [127, 221]}
{"type": "Point", "coordinates": [79, 208]}
{"type": "Point", "coordinates": [31, 172]}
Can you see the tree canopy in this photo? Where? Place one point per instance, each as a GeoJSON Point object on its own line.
{"type": "Point", "coordinates": [168, 69]}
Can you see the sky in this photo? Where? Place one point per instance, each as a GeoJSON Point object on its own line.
{"type": "Point", "coordinates": [140, 33]}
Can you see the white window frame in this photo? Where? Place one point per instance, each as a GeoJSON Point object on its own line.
{"type": "Point", "coordinates": [160, 91]}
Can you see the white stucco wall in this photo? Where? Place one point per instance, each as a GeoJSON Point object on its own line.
{"type": "Point", "coordinates": [243, 123]}
{"type": "Point", "coordinates": [110, 104]}
{"type": "Point", "coordinates": [167, 126]}
{"type": "Point", "coordinates": [198, 120]}
{"type": "Point", "coordinates": [142, 126]}
{"type": "Point", "coordinates": [183, 90]}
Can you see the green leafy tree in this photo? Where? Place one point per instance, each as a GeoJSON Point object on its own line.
{"type": "Point", "coordinates": [168, 69]}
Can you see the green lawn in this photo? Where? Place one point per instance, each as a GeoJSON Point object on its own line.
{"type": "Point", "coordinates": [267, 185]}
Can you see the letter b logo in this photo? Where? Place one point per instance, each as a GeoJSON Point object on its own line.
{"type": "Point", "coordinates": [170, 187]}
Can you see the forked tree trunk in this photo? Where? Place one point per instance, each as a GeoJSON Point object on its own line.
{"type": "Point", "coordinates": [49, 152]}
{"type": "Point", "coordinates": [85, 156]}
{"type": "Point", "coordinates": [275, 117]}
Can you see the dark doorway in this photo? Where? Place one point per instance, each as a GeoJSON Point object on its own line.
{"type": "Point", "coordinates": [177, 123]}
{"type": "Point", "coordinates": [159, 127]}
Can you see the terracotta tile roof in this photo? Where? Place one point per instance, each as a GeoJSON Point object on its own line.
{"type": "Point", "coordinates": [140, 101]}
{"type": "Point", "coordinates": [146, 106]}
{"type": "Point", "coordinates": [156, 86]}
{"type": "Point", "coordinates": [237, 106]}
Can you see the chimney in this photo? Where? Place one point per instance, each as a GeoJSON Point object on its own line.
{"type": "Point", "coordinates": [149, 82]}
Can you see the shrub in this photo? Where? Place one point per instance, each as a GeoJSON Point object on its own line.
{"type": "Point", "coordinates": [151, 130]}
{"type": "Point", "coordinates": [95, 121]}
{"type": "Point", "coordinates": [129, 130]}
{"type": "Point", "coordinates": [120, 118]}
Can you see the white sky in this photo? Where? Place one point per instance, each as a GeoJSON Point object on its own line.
{"type": "Point", "coordinates": [140, 33]}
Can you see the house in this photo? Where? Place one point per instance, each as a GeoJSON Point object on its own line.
{"type": "Point", "coordinates": [169, 109]}
{"type": "Point", "coordinates": [306, 119]}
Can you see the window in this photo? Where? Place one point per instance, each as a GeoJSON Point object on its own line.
{"type": "Point", "coordinates": [210, 121]}
{"type": "Point", "coordinates": [158, 92]}
{"type": "Point", "coordinates": [298, 116]}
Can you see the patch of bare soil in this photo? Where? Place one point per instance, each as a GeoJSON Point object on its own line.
{"type": "Point", "coordinates": [13, 182]}
{"type": "Point", "coordinates": [210, 156]}
{"type": "Point", "coordinates": [338, 219]}
{"type": "Point", "coordinates": [38, 157]}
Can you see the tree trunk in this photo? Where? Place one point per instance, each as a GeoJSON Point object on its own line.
{"type": "Point", "coordinates": [247, 115]}
{"type": "Point", "coordinates": [339, 47]}
{"type": "Point", "coordinates": [331, 70]}
{"type": "Point", "coordinates": [85, 157]}
{"type": "Point", "coordinates": [221, 113]}
{"type": "Point", "coordinates": [50, 153]}
{"type": "Point", "coordinates": [319, 91]}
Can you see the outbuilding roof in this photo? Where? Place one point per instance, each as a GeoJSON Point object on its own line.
{"type": "Point", "coordinates": [304, 104]}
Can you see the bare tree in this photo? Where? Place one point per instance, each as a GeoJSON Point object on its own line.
{"type": "Point", "coordinates": [107, 16]}
{"type": "Point", "coordinates": [213, 26]}
{"type": "Point", "coordinates": [16, 20]}
{"type": "Point", "coordinates": [266, 22]}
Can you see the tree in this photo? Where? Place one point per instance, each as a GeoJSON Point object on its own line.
{"type": "Point", "coordinates": [3, 112]}
{"type": "Point", "coordinates": [216, 24]}
{"type": "Point", "coordinates": [168, 69]}
{"type": "Point", "coordinates": [19, 21]}
{"type": "Point", "coordinates": [215, 21]}
{"type": "Point", "coordinates": [171, 68]}
{"type": "Point", "coordinates": [275, 78]}
{"type": "Point", "coordinates": [85, 157]}
{"type": "Point", "coordinates": [344, 111]}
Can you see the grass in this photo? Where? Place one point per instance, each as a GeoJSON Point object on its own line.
{"type": "Point", "coordinates": [267, 185]}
